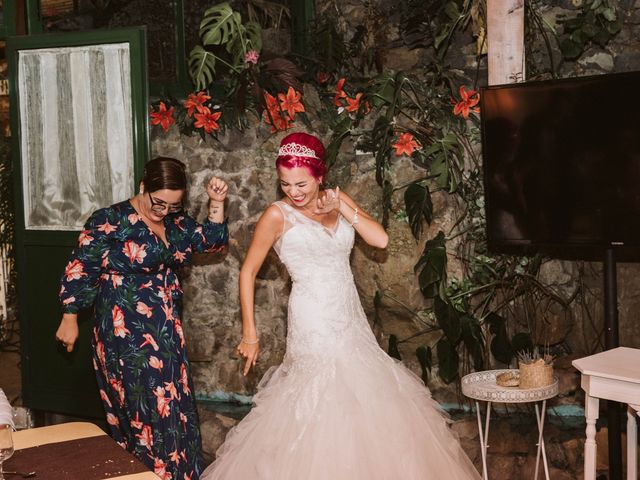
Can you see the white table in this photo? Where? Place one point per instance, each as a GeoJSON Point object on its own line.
{"type": "Point", "coordinates": [482, 386]}
{"type": "Point", "coordinates": [611, 375]}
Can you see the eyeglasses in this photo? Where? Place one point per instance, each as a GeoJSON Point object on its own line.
{"type": "Point", "coordinates": [158, 206]}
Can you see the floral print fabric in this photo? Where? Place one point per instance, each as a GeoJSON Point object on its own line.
{"type": "Point", "coordinates": [129, 275]}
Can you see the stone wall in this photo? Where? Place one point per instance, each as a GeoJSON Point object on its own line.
{"type": "Point", "coordinates": [245, 160]}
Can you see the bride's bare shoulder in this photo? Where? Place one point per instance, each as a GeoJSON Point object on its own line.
{"type": "Point", "coordinates": [272, 219]}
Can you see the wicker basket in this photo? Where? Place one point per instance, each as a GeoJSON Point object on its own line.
{"type": "Point", "coordinates": [536, 374]}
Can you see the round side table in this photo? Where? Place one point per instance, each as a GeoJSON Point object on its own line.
{"type": "Point", "coordinates": [482, 386]}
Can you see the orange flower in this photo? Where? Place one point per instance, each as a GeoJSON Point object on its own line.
{"type": "Point", "coordinates": [163, 117]}
{"type": "Point", "coordinates": [405, 145]}
{"type": "Point", "coordinates": [84, 239]}
{"type": "Point", "coordinates": [144, 309]}
{"type": "Point", "coordinates": [208, 121]}
{"type": "Point", "coordinates": [353, 104]}
{"type": "Point", "coordinates": [195, 101]}
{"type": "Point", "coordinates": [468, 102]}
{"type": "Point", "coordinates": [184, 379]}
{"type": "Point", "coordinates": [290, 102]}
{"type": "Point", "coordinates": [340, 93]}
{"type": "Point", "coordinates": [273, 116]}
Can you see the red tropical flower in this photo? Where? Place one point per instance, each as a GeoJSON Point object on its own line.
{"type": "Point", "coordinates": [353, 104]}
{"type": "Point", "coordinates": [405, 145]}
{"type": "Point", "coordinates": [178, 329]}
{"type": "Point", "coordinates": [162, 402]}
{"type": "Point", "coordinates": [155, 362]}
{"type": "Point", "coordinates": [290, 102]}
{"type": "Point", "coordinates": [468, 102]}
{"type": "Point", "coordinates": [340, 93]}
{"type": "Point", "coordinates": [136, 423]}
{"type": "Point", "coordinates": [195, 101]}
{"type": "Point", "coordinates": [174, 456]}
{"type": "Point", "coordinates": [148, 338]}
{"type": "Point", "coordinates": [323, 77]}
{"type": "Point", "coordinates": [207, 121]}
{"type": "Point", "coordinates": [170, 387]}
{"type": "Point", "coordinates": [163, 117]}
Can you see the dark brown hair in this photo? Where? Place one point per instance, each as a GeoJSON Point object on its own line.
{"type": "Point", "coordinates": [164, 173]}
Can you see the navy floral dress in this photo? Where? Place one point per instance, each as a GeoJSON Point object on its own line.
{"type": "Point", "coordinates": [128, 273]}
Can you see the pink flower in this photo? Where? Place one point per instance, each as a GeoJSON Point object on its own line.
{"type": "Point", "coordinates": [105, 398]}
{"type": "Point", "coordinates": [117, 386]}
{"type": "Point", "coordinates": [84, 239]}
{"type": "Point", "coordinates": [119, 330]}
{"type": "Point", "coordinates": [144, 309]}
{"type": "Point", "coordinates": [251, 57]}
{"type": "Point", "coordinates": [178, 328]}
{"type": "Point", "coordinates": [133, 218]}
{"type": "Point", "coordinates": [174, 456]}
{"type": "Point", "coordinates": [134, 251]}
{"type": "Point", "coordinates": [149, 340]}
{"type": "Point", "coordinates": [155, 362]}
{"type": "Point", "coordinates": [136, 423]}
{"type": "Point", "coordinates": [168, 311]}
{"type": "Point", "coordinates": [180, 256]}
{"type": "Point", "coordinates": [145, 437]}
{"type": "Point", "coordinates": [74, 270]}
{"type": "Point", "coordinates": [116, 280]}
{"type": "Point", "coordinates": [112, 419]}
{"type": "Point", "coordinates": [170, 387]}
{"type": "Point", "coordinates": [69, 300]}
{"type": "Point", "coordinates": [107, 228]}
{"type": "Point", "coordinates": [162, 402]}
{"type": "Point", "coordinates": [184, 379]}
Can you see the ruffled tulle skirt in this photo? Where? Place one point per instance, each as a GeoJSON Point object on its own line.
{"type": "Point", "coordinates": [353, 415]}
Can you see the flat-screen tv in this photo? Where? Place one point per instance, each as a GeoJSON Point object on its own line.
{"type": "Point", "coordinates": [561, 164]}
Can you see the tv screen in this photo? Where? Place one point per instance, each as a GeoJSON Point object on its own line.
{"type": "Point", "coordinates": [561, 163]}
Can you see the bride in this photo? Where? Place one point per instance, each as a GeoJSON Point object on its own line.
{"type": "Point", "coordinates": [337, 408]}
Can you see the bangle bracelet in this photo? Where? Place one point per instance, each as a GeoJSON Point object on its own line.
{"type": "Point", "coordinates": [355, 218]}
{"type": "Point", "coordinates": [250, 342]}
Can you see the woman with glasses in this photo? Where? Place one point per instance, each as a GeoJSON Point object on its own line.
{"type": "Point", "coordinates": [126, 265]}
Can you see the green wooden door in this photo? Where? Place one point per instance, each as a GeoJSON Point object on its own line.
{"type": "Point", "coordinates": [79, 108]}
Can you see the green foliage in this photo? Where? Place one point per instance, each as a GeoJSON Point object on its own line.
{"type": "Point", "coordinates": [596, 23]}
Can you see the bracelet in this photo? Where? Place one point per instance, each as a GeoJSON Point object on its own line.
{"type": "Point", "coordinates": [250, 342]}
{"type": "Point", "coordinates": [355, 218]}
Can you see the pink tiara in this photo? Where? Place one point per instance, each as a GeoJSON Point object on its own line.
{"type": "Point", "coordinates": [297, 150]}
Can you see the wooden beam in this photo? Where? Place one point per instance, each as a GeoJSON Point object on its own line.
{"type": "Point", "coordinates": [505, 41]}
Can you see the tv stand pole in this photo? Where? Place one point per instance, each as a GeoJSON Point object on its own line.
{"type": "Point", "coordinates": [612, 340]}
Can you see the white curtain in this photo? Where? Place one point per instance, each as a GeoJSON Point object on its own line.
{"type": "Point", "coordinates": [76, 132]}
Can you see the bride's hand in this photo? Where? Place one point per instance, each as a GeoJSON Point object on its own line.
{"type": "Point", "coordinates": [250, 352]}
{"type": "Point", "coordinates": [330, 201]}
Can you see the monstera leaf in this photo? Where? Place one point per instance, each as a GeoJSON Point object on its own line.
{"type": "Point", "coordinates": [219, 25]}
{"type": "Point", "coordinates": [417, 200]}
{"type": "Point", "coordinates": [201, 67]}
{"type": "Point", "coordinates": [432, 267]}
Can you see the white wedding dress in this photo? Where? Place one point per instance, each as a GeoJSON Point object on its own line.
{"type": "Point", "coordinates": [338, 407]}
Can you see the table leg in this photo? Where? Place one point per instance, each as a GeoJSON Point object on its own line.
{"type": "Point", "coordinates": [541, 448]}
{"type": "Point", "coordinates": [632, 442]}
{"type": "Point", "coordinates": [483, 435]}
{"type": "Point", "coordinates": [590, 446]}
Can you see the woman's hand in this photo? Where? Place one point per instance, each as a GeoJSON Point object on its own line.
{"type": "Point", "coordinates": [250, 352]}
{"type": "Point", "coordinates": [67, 332]}
{"type": "Point", "coordinates": [217, 189]}
{"type": "Point", "coordinates": [329, 202]}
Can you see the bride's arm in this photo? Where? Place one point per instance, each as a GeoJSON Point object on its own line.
{"type": "Point", "coordinates": [368, 228]}
{"type": "Point", "coordinates": [268, 229]}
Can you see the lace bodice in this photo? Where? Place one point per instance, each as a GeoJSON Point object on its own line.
{"type": "Point", "coordinates": [312, 252]}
